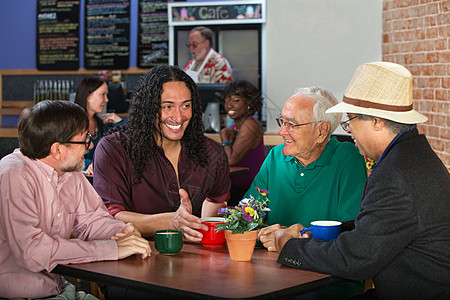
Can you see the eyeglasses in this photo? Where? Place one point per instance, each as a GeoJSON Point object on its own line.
{"type": "Point", "coordinates": [194, 44]}
{"type": "Point", "coordinates": [346, 124]}
{"type": "Point", "coordinates": [289, 126]}
{"type": "Point", "coordinates": [87, 143]}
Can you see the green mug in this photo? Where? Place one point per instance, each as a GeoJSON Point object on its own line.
{"type": "Point", "coordinates": [168, 241]}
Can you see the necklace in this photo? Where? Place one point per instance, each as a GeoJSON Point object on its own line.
{"type": "Point", "coordinates": [95, 134]}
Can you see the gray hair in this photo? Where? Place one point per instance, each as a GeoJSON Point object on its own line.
{"type": "Point", "coordinates": [395, 127]}
{"type": "Point", "coordinates": [324, 100]}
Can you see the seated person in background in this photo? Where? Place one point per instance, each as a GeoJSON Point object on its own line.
{"type": "Point", "coordinates": [206, 65]}
{"type": "Point", "coordinates": [243, 141]}
{"type": "Point", "coordinates": [401, 237]}
{"type": "Point", "coordinates": [311, 176]}
{"type": "Point", "coordinates": [158, 170]}
{"type": "Point", "coordinates": [45, 198]}
{"type": "Point", "coordinates": [92, 96]}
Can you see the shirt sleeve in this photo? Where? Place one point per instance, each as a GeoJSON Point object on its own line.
{"type": "Point", "coordinates": [110, 174]}
{"type": "Point", "coordinates": [188, 65]}
{"type": "Point", "coordinates": [386, 224]}
{"type": "Point", "coordinates": [93, 221]}
{"type": "Point", "coordinates": [39, 240]}
{"type": "Point", "coordinates": [220, 70]}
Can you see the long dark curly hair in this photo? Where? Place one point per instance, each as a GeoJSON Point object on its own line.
{"type": "Point", "coordinates": [145, 109]}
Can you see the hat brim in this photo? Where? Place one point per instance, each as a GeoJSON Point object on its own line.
{"type": "Point", "coordinates": [406, 117]}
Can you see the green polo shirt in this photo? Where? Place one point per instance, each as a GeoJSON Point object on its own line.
{"type": "Point", "coordinates": [328, 189]}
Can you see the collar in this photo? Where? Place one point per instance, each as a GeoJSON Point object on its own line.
{"type": "Point", "coordinates": [50, 173]}
{"type": "Point", "coordinates": [392, 144]}
{"type": "Point", "coordinates": [323, 160]}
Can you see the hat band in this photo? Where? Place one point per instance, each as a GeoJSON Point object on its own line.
{"type": "Point", "coordinates": [368, 104]}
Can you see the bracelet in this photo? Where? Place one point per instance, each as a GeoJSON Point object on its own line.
{"type": "Point", "coordinates": [227, 143]}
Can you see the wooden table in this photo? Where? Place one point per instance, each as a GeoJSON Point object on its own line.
{"type": "Point", "coordinates": [203, 273]}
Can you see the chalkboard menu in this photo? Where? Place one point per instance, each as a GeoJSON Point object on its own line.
{"type": "Point", "coordinates": [107, 34]}
{"type": "Point", "coordinates": [58, 35]}
{"type": "Point", "coordinates": [153, 34]}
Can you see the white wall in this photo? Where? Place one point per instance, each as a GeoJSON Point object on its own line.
{"type": "Point", "coordinates": [317, 42]}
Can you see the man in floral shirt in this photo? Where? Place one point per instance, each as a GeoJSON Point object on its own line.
{"type": "Point", "coordinates": [206, 66]}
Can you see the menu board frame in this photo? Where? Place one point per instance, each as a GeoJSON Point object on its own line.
{"type": "Point", "coordinates": [107, 35]}
{"type": "Point", "coordinates": [213, 13]}
{"type": "Point", "coordinates": [58, 35]}
{"type": "Point", "coordinates": [153, 33]}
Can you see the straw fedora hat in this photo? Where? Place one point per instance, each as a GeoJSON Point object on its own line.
{"type": "Point", "coordinates": [380, 89]}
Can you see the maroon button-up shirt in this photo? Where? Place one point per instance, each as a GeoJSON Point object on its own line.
{"type": "Point", "coordinates": [157, 192]}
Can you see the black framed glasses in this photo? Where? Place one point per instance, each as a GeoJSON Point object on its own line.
{"type": "Point", "coordinates": [194, 44]}
{"type": "Point", "coordinates": [290, 126]}
{"type": "Point", "coordinates": [346, 124]}
{"type": "Point", "coordinates": [87, 142]}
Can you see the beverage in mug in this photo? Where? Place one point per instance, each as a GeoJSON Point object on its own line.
{"type": "Point", "coordinates": [168, 241]}
{"type": "Point", "coordinates": [324, 230]}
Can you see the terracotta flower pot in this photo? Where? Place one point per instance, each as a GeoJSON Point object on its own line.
{"type": "Point", "coordinates": [241, 245]}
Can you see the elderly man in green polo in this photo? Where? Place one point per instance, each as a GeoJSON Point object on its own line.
{"type": "Point", "coordinates": [311, 176]}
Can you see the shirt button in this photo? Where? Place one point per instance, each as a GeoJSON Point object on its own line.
{"type": "Point", "coordinates": [302, 174]}
{"type": "Point", "coordinates": [174, 185]}
{"type": "Point", "coordinates": [59, 214]}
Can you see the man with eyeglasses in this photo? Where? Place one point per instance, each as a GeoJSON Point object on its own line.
{"type": "Point", "coordinates": [206, 65]}
{"type": "Point", "coordinates": [44, 198]}
{"type": "Point", "coordinates": [311, 176]}
{"type": "Point", "coordinates": [401, 237]}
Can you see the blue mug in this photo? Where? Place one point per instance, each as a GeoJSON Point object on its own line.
{"type": "Point", "coordinates": [324, 230]}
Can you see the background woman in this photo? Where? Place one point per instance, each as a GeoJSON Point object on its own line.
{"type": "Point", "coordinates": [92, 96]}
{"type": "Point", "coordinates": [243, 141]}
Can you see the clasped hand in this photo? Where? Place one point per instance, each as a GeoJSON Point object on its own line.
{"type": "Point", "coordinates": [111, 118]}
{"type": "Point", "coordinates": [185, 221]}
{"type": "Point", "coordinates": [131, 242]}
{"type": "Point", "coordinates": [274, 237]}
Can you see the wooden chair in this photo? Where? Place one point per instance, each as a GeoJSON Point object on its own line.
{"type": "Point", "coordinates": [368, 284]}
{"type": "Point", "coordinates": [95, 291]}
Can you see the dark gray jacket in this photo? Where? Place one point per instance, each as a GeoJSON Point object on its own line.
{"type": "Point", "coordinates": [402, 234]}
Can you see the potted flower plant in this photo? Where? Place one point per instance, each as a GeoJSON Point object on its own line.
{"type": "Point", "coordinates": [242, 223]}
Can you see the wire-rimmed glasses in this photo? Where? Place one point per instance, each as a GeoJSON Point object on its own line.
{"type": "Point", "coordinates": [290, 126]}
{"type": "Point", "coordinates": [194, 44]}
{"type": "Point", "coordinates": [346, 124]}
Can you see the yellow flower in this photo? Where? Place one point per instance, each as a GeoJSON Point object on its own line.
{"type": "Point", "coordinates": [249, 211]}
{"type": "Point", "coordinates": [262, 192]}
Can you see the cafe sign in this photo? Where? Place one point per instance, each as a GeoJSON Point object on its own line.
{"type": "Point", "coordinates": [229, 12]}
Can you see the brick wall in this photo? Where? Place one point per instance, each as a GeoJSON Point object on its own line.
{"type": "Point", "coordinates": [416, 35]}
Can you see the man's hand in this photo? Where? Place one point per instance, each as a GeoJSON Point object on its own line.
{"type": "Point", "coordinates": [185, 221]}
{"type": "Point", "coordinates": [130, 244]}
{"type": "Point", "coordinates": [267, 236]}
{"type": "Point", "coordinates": [284, 235]}
{"type": "Point", "coordinates": [129, 229]}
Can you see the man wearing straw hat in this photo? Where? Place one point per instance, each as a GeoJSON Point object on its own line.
{"type": "Point", "coordinates": [401, 237]}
